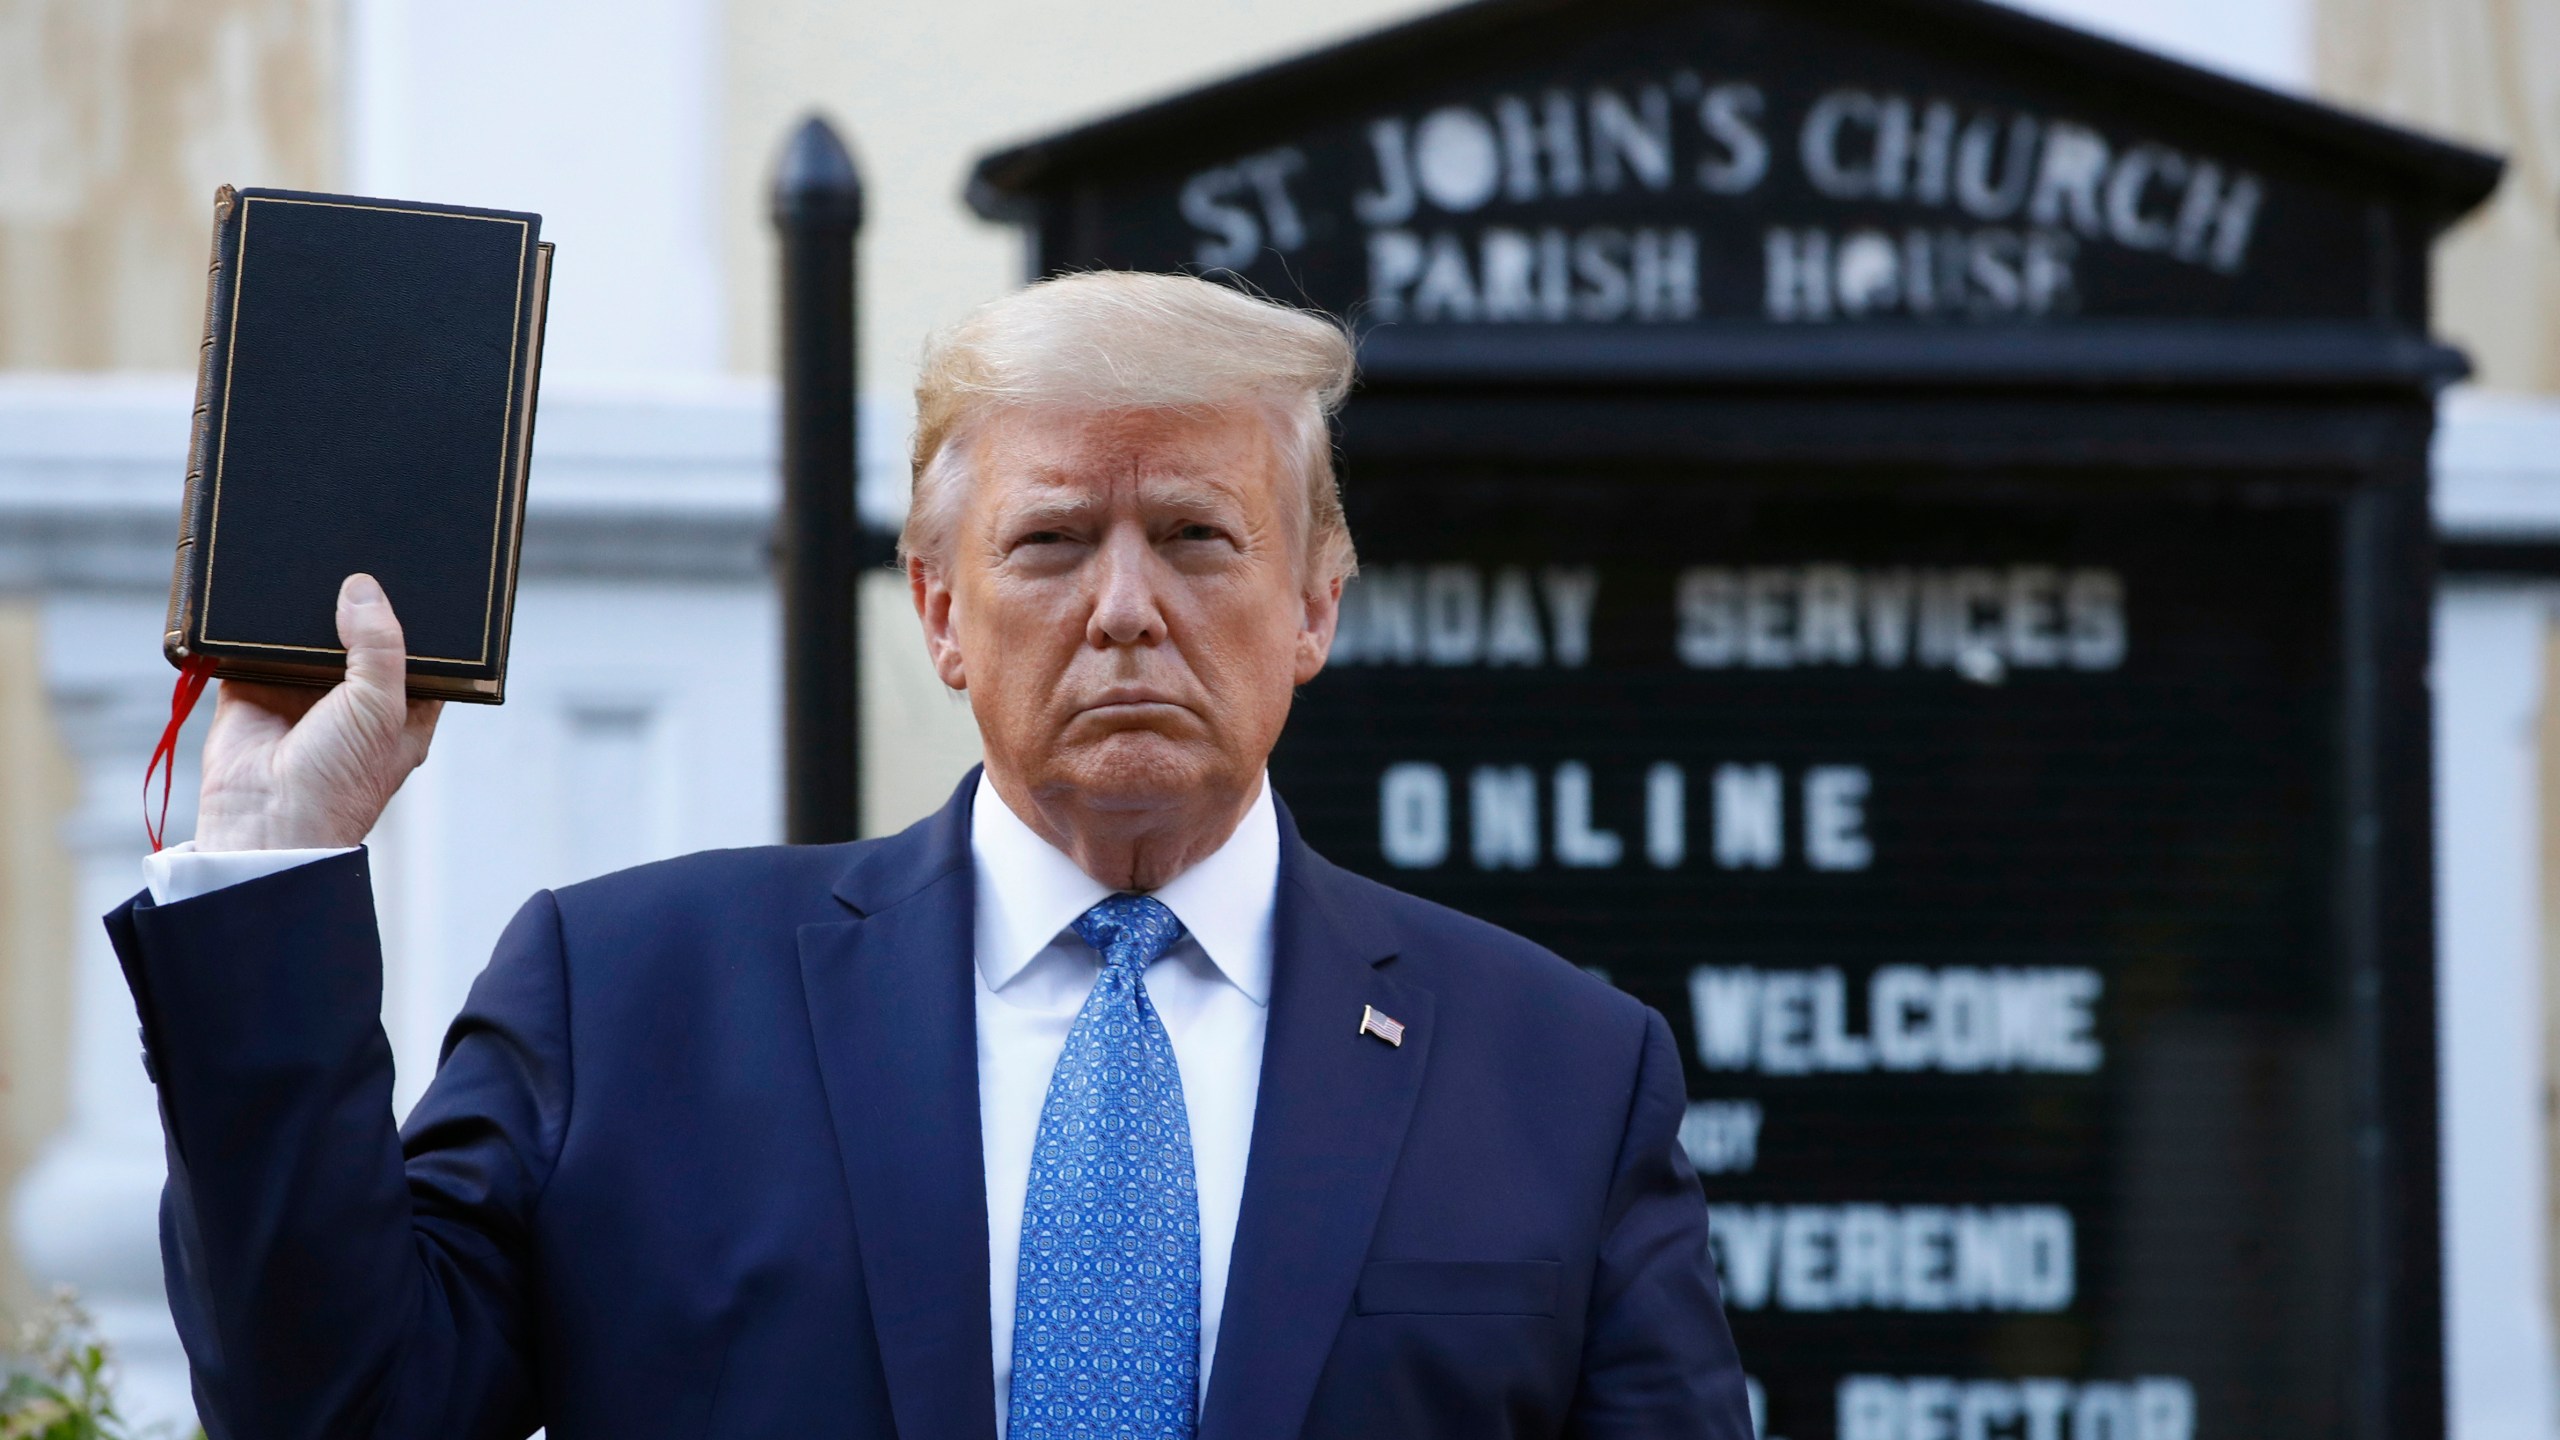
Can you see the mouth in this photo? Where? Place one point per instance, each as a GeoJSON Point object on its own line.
{"type": "Point", "coordinates": [1130, 709]}
{"type": "Point", "coordinates": [1129, 695]}
{"type": "Point", "coordinates": [1129, 704]}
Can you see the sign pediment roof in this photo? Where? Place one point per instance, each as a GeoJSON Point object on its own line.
{"type": "Point", "coordinates": [1512, 174]}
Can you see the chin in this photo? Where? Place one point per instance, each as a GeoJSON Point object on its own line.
{"type": "Point", "coordinates": [1137, 770]}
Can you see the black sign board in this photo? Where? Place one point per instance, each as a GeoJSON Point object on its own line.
{"type": "Point", "coordinates": [1897, 533]}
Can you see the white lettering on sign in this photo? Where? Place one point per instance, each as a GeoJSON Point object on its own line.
{"type": "Point", "coordinates": [1602, 273]}
{"type": "Point", "coordinates": [1505, 804]}
{"type": "Point", "coordinates": [1923, 1258]}
{"type": "Point", "coordinates": [1456, 615]}
{"type": "Point", "coordinates": [1666, 816]}
{"type": "Point", "coordinates": [1737, 155]}
{"type": "Point", "coordinates": [1835, 818]}
{"type": "Point", "coordinates": [1502, 804]}
{"type": "Point", "coordinates": [1721, 1137]}
{"type": "Point", "coordinates": [1960, 1019]}
{"type": "Point", "coordinates": [1812, 273]}
{"type": "Point", "coordinates": [2064, 180]}
{"type": "Point", "coordinates": [1604, 140]}
{"type": "Point", "coordinates": [1750, 817]}
{"type": "Point", "coordinates": [1413, 815]}
{"type": "Point", "coordinates": [1980, 622]}
{"type": "Point", "coordinates": [1881, 1407]}
{"type": "Point", "coordinates": [2000, 204]}
{"type": "Point", "coordinates": [1240, 208]}
{"type": "Point", "coordinates": [1561, 144]}
{"type": "Point", "coordinates": [1580, 845]}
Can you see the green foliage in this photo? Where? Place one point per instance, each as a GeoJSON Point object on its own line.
{"type": "Point", "coordinates": [57, 1379]}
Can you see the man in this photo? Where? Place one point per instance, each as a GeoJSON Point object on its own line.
{"type": "Point", "coordinates": [1094, 1105]}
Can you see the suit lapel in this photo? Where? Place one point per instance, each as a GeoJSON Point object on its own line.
{"type": "Point", "coordinates": [892, 1010]}
{"type": "Point", "coordinates": [1328, 1124]}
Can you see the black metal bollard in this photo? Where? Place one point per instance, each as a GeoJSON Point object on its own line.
{"type": "Point", "coordinates": [817, 209]}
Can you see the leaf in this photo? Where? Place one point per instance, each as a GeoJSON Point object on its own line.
{"type": "Point", "coordinates": [60, 1382]}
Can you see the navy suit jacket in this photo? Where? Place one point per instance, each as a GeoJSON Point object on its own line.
{"type": "Point", "coordinates": [702, 1159]}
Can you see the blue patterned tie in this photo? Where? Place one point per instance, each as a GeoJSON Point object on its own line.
{"type": "Point", "coordinates": [1106, 1328]}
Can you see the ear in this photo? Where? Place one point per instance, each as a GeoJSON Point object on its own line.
{"type": "Point", "coordinates": [1323, 611]}
{"type": "Point", "coordinates": [932, 596]}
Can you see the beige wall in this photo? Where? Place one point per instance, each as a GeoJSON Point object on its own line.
{"type": "Point", "coordinates": [2485, 71]}
{"type": "Point", "coordinates": [2488, 72]}
{"type": "Point", "coordinates": [2481, 70]}
{"type": "Point", "coordinates": [920, 96]}
{"type": "Point", "coordinates": [118, 117]}
{"type": "Point", "coordinates": [117, 120]}
{"type": "Point", "coordinates": [36, 789]}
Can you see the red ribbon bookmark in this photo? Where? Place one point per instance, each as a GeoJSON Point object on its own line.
{"type": "Point", "coordinates": [164, 756]}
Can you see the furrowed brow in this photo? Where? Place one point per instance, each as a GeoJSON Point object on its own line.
{"type": "Point", "coordinates": [1046, 511]}
{"type": "Point", "coordinates": [1191, 495]}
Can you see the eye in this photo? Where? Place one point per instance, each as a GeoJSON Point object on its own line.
{"type": "Point", "coordinates": [1043, 537]}
{"type": "Point", "coordinates": [1197, 531]}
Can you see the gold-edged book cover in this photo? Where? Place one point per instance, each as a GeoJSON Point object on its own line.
{"type": "Point", "coordinates": [365, 399]}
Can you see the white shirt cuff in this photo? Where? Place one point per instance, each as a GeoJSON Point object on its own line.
{"type": "Point", "coordinates": [182, 872]}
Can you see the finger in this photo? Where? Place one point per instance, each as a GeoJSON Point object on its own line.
{"type": "Point", "coordinates": [420, 731]}
{"type": "Point", "coordinates": [249, 699]}
{"type": "Point", "coordinates": [377, 653]}
{"type": "Point", "coordinates": [248, 720]}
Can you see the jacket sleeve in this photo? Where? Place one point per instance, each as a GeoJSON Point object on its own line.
{"type": "Point", "coordinates": [325, 1283]}
{"type": "Point", "coordinates": [1658, 1358]}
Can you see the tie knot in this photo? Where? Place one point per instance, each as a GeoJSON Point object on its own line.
{"type": "Point", "coordinates": [1130, 931]}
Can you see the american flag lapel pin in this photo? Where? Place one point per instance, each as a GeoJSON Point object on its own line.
{"type": "Point", "coordinates": [1374, 1021]}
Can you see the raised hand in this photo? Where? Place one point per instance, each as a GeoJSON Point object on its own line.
{"type": "Point", "coordinates": [288, 767]}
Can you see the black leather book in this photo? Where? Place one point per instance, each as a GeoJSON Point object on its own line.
{"type": "Point", "coordinates": [364, 401]}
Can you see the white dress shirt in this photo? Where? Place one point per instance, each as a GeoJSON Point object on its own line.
{"type": "Point", "coordinates": [1212, 989]}
{"type": "Point", "coordinates": [182, 872]}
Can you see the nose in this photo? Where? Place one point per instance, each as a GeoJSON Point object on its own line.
{"type": "Point", "coordinates": [1126, 606]}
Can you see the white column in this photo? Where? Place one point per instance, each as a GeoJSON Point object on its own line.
{"type": "Point", "coordinates": [640, 723]}
{"type": "Point", "coordinates": [602, 116]}
{"type": "Point", "coordinates": [2490, 689]}
{"type": "Point", "coordinates": [87, 1213]}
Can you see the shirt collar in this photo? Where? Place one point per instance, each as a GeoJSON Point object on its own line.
{"type": "Point", "coordinates": [1029, 891]}
{"type": "Point", "coordinates": [1225, 900]}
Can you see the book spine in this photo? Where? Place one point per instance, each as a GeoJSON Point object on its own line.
{"type": "Point", "coordinates": [538, 305]}
{"type": "Point", "coordinates": [187, 570]}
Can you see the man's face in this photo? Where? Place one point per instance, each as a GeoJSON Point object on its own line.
{"type": "Point", "coordinates": [1124, 597]}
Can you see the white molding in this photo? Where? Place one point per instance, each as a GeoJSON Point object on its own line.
{"type": "Point", "coordinates": [2497, 466]}
{"type": "Point", "coordinates": [644, 584]}
{"type": "Point", "coordinates": [671, 479]}
{"type": "Point", "coordinates": [603, 116]}
{"type": "Point", "coordinates": [2490, 690]}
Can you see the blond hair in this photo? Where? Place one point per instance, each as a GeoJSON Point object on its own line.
{"type": "Point", "coordinates": [1119, 340]}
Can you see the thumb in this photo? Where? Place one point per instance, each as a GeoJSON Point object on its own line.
{"type": "Point", "coordinates": [377, 654]}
